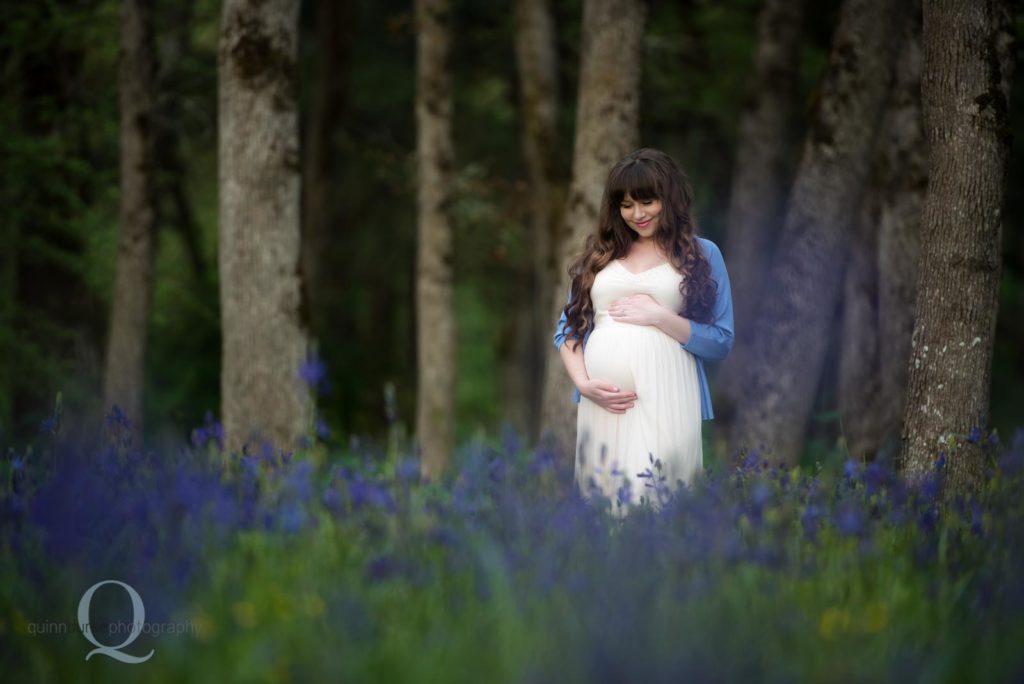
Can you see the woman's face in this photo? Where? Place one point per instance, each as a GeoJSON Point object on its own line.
{"type": "Point", "coordinates": [641, 215]}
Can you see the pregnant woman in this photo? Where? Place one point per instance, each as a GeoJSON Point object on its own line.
{"type": "Point", "coordinates": [650, 301]}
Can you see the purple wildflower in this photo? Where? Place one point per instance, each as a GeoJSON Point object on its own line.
{"type": "Point", "coordinates": [313, 372]}
{"type": "Point", "coordinates": [407, 470]}
{"type": "Point", "coordinates": [117, 417]}
{"type": "Point", "coordinates": [849, 519]}
{"type": "Point", "coordinates": [210, 431]}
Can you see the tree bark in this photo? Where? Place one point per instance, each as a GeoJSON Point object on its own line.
{"type": "Point", "coordinates": [264, 328]}
{"type": "Point", "coordinates": [965, 93]}
{"type": "Point", "coordinates": [607, 128]}
{"type": "Point", "coordinates": [435, 318]}
{"type": "Point", "coordinates": [536, 59]}
{"type": "Point", "coordinates": [334, 21]}
{"type": "Point", "coordinates": [760, 182]}
{"type": "Point", "coordinates": [129, 320]}
{"type": "Point", "coordinates": [806, 275]}
{"type": "Point", "coordinates": [881, 278]}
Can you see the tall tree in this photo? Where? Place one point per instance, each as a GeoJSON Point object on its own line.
{"type": "Point", "coordinates": [129, 319]}
{"type": "Point", "coordinates": [965, 92]}
{"type": "Point", "coordinates": [607, 128]}
{"type": "Point", "coordinates": [264, 330]}
{"type": "Point", "coordinates": [760, 180]}
{"type": "Point", "coordinates": [333, 43]}
{"type": "Point", "coordinates": [806, 273]}
{"type": "Point", "coordinates": [537, 63]}
{"type": "Point", "coordinates": [881, 276]}
{"type": "Point", "coordinates": [435, 317]}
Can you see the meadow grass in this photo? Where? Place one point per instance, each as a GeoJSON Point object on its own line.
{"type": "Point", "coordinates": [335, 564]}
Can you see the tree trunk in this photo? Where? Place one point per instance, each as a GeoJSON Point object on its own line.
{"type": "Point", "coordinates": [881, 277]}
{"type": "Point", "coordinates": [333, 21]}
{"type": "Point", "coordinates": [536, 59]}
{"type": "Point", "coordinates": [435, 317]}
{"type": "Point", "coordinates": [806, 274]}
{"type": "Point", "coordinates": [760, 182]}
{"type": "Point", "coordinates": [129, 319]}
{"type": "Point", "coordinates": [264, 329]}
{"type": "Point", "coordinates": [607, 128]}
{"type": "Point", "coordinates": [965, 93]}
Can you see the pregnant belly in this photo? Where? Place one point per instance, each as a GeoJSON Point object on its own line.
{"type": "Point", "coordinates": [608, 355]}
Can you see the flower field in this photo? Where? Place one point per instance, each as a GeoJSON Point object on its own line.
{"type": "Point", "coordinates": [338, 565]}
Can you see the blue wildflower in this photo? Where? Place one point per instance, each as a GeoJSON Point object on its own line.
{"type": "Point", "coordinates": [930, 486]}
{"type": "Point", "coordinates": [510, 443]}
{"type": "Point", "coordinates": [116, 417]}
{"type": "Point", "coordinates": [210, 431]}
{"type": "Point", "coordinates": [810, 519]}
{"type": "Point", "coordinates": [293, 517]}
{"type": "Point", "coordinates": [761, 494]}
{"type": "Point", "coordinates": [977, 519]}
{"type": "Point", "coordinates": [382, 567]}
{"type": "Point", "coordinates": [313, 372]}
{"type": "Point", "coordinates": [875, 477]}
{"type": "Point", "coordinates": [407, 470]}
{"type": "Point", "coordinates": [331, 499]}
{"type": "Point", "coordinates": [297, 483]}
{"type": "Point", "coordinates": [849, 519]}
{"type": "Point", "coordinates": [48, 425]}
{"type": "Point", "coordinates": [366, 494]}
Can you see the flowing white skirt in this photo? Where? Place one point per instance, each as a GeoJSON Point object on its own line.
{"type": "Point", "coordinates": [617, 455]}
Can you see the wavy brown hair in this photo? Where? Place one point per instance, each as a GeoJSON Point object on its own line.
{"type": "Point", "coordinates": [644, 174]}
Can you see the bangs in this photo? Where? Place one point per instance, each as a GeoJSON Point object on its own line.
{"type": "Point", "coordinates": [638, 180]}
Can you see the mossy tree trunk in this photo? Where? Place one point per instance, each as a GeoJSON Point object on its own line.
{"type": "Point", "coordinates": [435, 314]}
{"type": "Point", "coordinates": [262, 312]}
{"type": "Point", "coordinates": [607, 128]}
{"type": "Point", "coordinates": [537, 64]}
{"type": "Point", "coordinates": [806, 275]}
{"type": "Point", "coordinates": [760, 182]}
{"type": "Point", "coordinates": [124, 375]}
{"type": "Point", "coordinates": [965, 93]}
{"type": "Point", "coordinates": [881, 276]}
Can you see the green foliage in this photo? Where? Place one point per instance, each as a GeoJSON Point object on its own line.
{"type": "Point", "coordinates": [336, 566]}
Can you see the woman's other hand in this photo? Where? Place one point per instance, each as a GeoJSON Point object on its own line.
{"type": "Point", "coordinates": [608, 396]}
{"type": "Point", "coordinates": [638, 309]}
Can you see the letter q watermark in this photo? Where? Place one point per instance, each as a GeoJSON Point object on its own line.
{"type": "Point", "coordinates": [138, 620]}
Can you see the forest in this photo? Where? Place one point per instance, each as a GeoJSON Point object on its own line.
{"type": "Point", "coordinates": [278, 285]}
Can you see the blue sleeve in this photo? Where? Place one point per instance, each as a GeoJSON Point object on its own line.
{"type": "Point", "coordinates": [713, 341]}
{"type": "Point", "coordinates": [560, 332]}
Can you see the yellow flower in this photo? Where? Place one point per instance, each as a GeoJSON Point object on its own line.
{"type": "Point", "coordinates": [245, 614]}
{"type": "Point", "coordinates": [833, 621]}
{"type": "Point", "coordinates": [203, 625]}
{"type": "Point", "coordinates": [876, 617]}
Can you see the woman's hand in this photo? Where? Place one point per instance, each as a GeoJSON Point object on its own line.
{"type": "Point", "coordinates": [607, 396]}
{"type": "Point", "coordinates": [638, 309]}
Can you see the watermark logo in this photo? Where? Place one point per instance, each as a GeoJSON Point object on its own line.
{"type": "Point", "coordinates": [138, 621]}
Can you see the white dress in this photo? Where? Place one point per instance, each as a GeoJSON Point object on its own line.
{"type": "Point", "coordinates": [665, 421]}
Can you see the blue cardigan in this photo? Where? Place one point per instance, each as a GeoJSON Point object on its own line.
{"type": "Point", "coordinates": [708, 341]}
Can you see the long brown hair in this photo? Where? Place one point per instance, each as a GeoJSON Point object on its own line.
{"type": "Point", "coordinates": [644, 174]}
